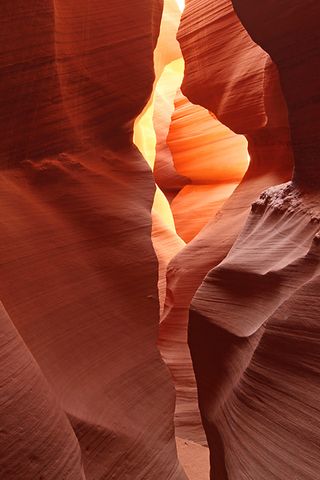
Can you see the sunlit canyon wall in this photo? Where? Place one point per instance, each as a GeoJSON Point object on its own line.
{"type": "Point", "coordinates": [160, 240]}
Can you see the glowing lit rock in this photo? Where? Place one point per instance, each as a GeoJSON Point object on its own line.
{"type": "Point", "coordinates": [213, 159]}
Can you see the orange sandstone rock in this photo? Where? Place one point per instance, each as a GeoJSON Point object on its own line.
{"type": "Point", "coordinates": [253, 348]}
{"type": "Point", "coordinates": [211, 156]}
{"type": "Point", "coordinates": [244, 93]}
{"type": "Point", "coordinates": [79, 273]}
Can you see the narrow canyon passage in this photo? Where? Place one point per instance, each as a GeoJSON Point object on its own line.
{"type": "Point", "coordinates": [159, 216]}
{"type": "Point", "coordinates": [252, 103]}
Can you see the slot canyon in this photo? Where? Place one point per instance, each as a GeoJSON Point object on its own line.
{"type": "Point", "coordinates": [160, 240]}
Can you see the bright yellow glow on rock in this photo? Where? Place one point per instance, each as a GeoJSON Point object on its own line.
{"type": "Point", "coordinates": [166, 52]}
{"type": "Point", "coordinates": [145, 136]}
{"type": "Point", "coordinates": [180, 4]}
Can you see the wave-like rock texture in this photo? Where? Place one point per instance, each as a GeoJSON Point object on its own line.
{"type": "Point", "coordinates": [253, 321]}
{"type": "Point", "coordinates": [78, 270]}
{"type": "Point", "coordinates": [36, 439]}
{"type": "Point", "coordinates": [211, 156]}
{"type": "Point", "coordinates": [165, 172]}
{"type": "Point", "coordinates": [264, 121]}
{"type": "Point", "coordinates": [289, 33]}
{"type": "Point", "coordinates": [224, 69]}
{"type": "Point", "coordinates": [200, 146]}
{"type": "Point", "coordinates": [84, 392]}
{"type": "Point", "coordinates": [268, 428]}
{"type": "Point", "coordinates": [150, 136]}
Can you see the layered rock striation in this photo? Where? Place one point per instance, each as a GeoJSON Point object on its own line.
{"type": "Point", "coordinates": [223, 86]}
{"type": "Point", "coordinates": [101, 270]}
{"type": "Point", "coordinates": [253, 348]}
{"type": "Point", "coordinates": [78, 269]}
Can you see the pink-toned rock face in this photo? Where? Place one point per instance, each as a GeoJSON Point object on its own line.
{"type": "Point", "coordinates": [246, 322]}
{"type": "Point", "coordinates": [165, 172]}
{"type": "Point", "coordinates": [150, 132]}
{"type": "Point", "coordinates": [224, 67]}
{"type": "Point", "coordinates": [36, 438]}
{"type": "Point", "coordinates": [78, 269]}
{"type": "Point", "coordinates": [45, 47]}
{"type": "Point", "coordinates": [252, 347]}
{"type": "Point", "coordinates": [271, 163]}
{"type": "Point", "coordinates": [211, 156]}
{"type": "Point", "coordinates": [97, 290]}
{"type": "Point", "coordinates": [290, 34]}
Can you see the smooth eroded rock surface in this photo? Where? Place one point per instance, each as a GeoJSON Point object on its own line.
{"type": "Point", "coordinates": [79, 272]}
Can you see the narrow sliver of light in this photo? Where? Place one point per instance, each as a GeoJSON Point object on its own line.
{"type": "Point", "coordinates": [180, 4]}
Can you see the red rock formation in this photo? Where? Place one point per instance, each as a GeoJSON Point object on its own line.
{"type": "Point", "coordinates": [166, 175]}
{"type": "Point", "coordinates": [79, 274]}
{"type": "Point", "coordinates": [293, 43]}
{"type": "Point", "coordinates": [223, 72]}
{"type": "Point", "coordinates": [250, 101]}
{"type": "Point", "coordinates": [149, 134]}
{"type": "Point", "coordinates": [211, 156]}
{"type": "Point", "coordinates": [260, 345]}
{"type": "Point", "coordinates": [263, 415]}
{"type": "Point", "coordinates": [194, 458]}
{"type": "Point", "coordinates": [36, 439]}
{"type": "Point", "coordinates": [252, 346]}
{"type": "Point", "coordinates": [84, 393]}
